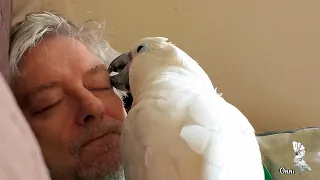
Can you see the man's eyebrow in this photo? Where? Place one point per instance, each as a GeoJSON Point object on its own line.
{"type": "Point", "coordinates": [97, 69]}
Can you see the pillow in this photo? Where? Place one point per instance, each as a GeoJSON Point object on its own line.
{"type": "Point", "coordinates": [5, 23]}
{"type": "Point", "coordinates": [20, 153]}
{"type": "Point", "coordinates": [291, 155]}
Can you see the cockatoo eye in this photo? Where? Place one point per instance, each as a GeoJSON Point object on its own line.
{"type": "Point", "coordinates": [140, 48]}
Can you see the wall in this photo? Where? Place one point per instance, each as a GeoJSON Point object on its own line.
{"type": "Point", "coordinates": [263, 55]}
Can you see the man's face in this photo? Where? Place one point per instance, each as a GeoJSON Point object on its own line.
{"type": "Point", "coordinates": [64, 92]}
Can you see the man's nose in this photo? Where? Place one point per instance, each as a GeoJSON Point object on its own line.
{"type": "Point", "coordinates": [90, 109]}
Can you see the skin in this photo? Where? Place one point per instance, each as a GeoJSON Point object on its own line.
{"type": "Point", "coordinates": [65, 94]}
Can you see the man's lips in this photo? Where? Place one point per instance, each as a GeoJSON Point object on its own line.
{"type": "Point", "coordinates": [96, 138]}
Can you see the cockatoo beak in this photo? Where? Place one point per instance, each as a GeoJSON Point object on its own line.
{"type": "Point", "coordinates": [121, 65]}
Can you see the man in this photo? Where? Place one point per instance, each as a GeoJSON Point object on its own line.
{"type": "Point", "coordinates": [58, 75]}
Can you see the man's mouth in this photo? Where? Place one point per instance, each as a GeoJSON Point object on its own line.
{"type": "Point", "coordinates": [93, 139]}
{"type": "Point", "coordinates": [99, 137]}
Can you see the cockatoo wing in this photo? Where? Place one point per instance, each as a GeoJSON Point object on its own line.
{"type": "Point", "coordinates": [223, 136]}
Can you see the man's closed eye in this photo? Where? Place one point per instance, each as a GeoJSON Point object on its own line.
{"type": "Point", "coordinates": [101, 89]}
{"type": "Point", "coordinates": [46, 108]}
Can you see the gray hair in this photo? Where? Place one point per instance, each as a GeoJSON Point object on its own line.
{"type": "Point", "coordinates": [29, 32]}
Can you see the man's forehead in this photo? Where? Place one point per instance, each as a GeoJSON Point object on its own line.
{"type": "Point", "coordinates": [38, 72]}
{"type": "Point", "coordinates": [54, 45]}
{"type": "Point", "coordinates": [56, 52]}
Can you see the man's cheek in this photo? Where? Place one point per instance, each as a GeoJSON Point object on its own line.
{"type": "Point", "coordinates": [114, 107]}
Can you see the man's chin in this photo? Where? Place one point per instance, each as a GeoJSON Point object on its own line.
{"type": "Point", "coordinates": [101, 158]}
{"type": "Point", "coordinates": [95, 174]}
{"type": "Point", "coordinates": [103, 172]}
{"type": "Point", "coordinates": [107, 165]}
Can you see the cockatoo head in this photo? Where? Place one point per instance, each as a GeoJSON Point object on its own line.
{"type": "Point", "coordinates": [148, 56]}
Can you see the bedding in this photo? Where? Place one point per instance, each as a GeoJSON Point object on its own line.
{"type": "Point", "coordinates": [5, 22]}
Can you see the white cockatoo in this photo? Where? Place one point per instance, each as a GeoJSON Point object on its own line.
{"type": "Point", "coordinates": [179, 127]}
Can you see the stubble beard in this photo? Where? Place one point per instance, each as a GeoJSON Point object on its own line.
{"type": "Point", "coordinates": [103, 171]}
